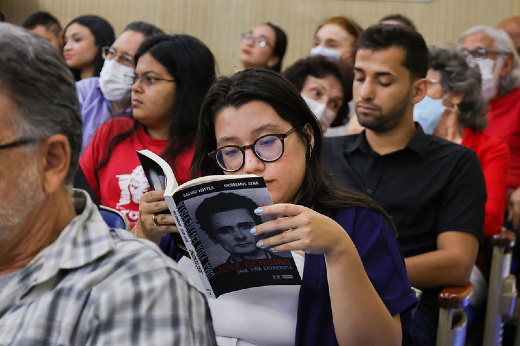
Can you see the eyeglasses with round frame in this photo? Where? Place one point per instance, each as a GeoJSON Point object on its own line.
{"type": "Point", "coordinates": [145, 79]}
{"type": "Point", "coordinates": [259, 41]}
{"type": "Point", "coordinates": [483, 53]}
{"type": "Point", "coordinates": [268, 148]}
{"type": "Point", "coordinates": [109, 53]}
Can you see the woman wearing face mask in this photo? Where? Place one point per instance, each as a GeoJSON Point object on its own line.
{"type": "Point", "coordinates": [336, 38]}
{"type": "Point", "coordinates": [263, 46]}
{"type": "Point", "coordinates": [326, 87]}
{"type": "Point", "coordinates": [328, 228]}
{"type": "Point", "coordinates": [83, 39]}
{"type": "Point", "coordinates": [454, 96]}
{"type": "Point", "coordinates": [99, 97]}
{"type": "Point", "coordinates": [172, 75]}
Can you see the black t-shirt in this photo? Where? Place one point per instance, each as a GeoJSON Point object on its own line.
{"type": "Point", "coordinates": [429, 187]}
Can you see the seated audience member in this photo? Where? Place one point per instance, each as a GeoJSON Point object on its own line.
{"type": "Point", "coordinates": [500, 68]}
{"type": "Point", "coordinates": [455, 87]}
{"type": "Point", "coordinates": [85, 37]}
{"type": "Point", "coordinates": [343, 243]}
{"type": "Point", "coordinates": [397, 19]}
{"type": "Point", "coordinates": [66, 278]}
{"type": "Point", "coordinates": [48, 27]}
{"type": "Point", "coordinates": [511, 26]}
{"type": "Point", "coordinates": [326, 87]}
{"type": "Point", "coordinates": [110, 92]}
{"type": "Point", "coordinates": [336, 38]}
{"type": "Point", "coordinates": [263, 46]}
{"type": "Point", "coordinates": [172, 76]}
{"type": "Point", "coordinates": [434, 189]}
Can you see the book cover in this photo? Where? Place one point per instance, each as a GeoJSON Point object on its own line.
{"type": "Point", "coordinates": [214, 215]}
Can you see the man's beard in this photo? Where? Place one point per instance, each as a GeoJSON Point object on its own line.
{"type": "Point", "coordinates": [384, 122]}
{"type": "Point", "coordinates": [19, 201]}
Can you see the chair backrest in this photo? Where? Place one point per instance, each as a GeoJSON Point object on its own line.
{"type": "Point", "coordinates": [114, 218]}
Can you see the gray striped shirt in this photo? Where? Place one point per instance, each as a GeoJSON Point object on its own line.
{"type": "Point", "coordinates": [101, 286]}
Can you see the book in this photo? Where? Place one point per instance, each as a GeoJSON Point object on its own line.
{"type": "Point", "coordinates": [214, 215]}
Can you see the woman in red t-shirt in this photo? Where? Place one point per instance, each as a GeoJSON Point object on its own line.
{"type": "Point", "coordinates": [173, 73]}
{"type": "Point", "coordinates": [455, 83]}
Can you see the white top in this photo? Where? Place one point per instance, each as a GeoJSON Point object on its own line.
{"type": "Point", "coordinates": [255, 316]}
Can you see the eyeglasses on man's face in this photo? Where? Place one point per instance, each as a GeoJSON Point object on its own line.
{"type": "Point", "coordinates": [147, 80]}
{"type": "Point", "coordinates": [109, 53]}
{"type": "Point", "coordinates": [260, 41]}
{"type": "Point", "coordinates": [18, 143]}
{"type": "Point", "coordinates": [268, 148]}
{"type": "Point", "coordinates": [483, 53]}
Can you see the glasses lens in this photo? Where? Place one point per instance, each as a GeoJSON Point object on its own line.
{"type": "Point", "coordinates": [230, 158]}
{"type": "Point", "coordinates": [107, 53]}
{"type": "Point", "coordinates": [269, 148]}
{"type": "Point", "coordinates": [479, 53]}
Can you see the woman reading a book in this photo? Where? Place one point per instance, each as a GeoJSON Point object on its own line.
{"type": "Point", "coordinates": [355, 289]}
{"type": "Point", "coordinates": [172, 75]}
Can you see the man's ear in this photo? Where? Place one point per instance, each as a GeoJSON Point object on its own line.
{"type": "Point", "coordinates": [507, 66]}
{"type": "Point", "coordinates": [55, 160]}
{"type": "Point", "coordinates": [61, 38]}
{"type": "Point", "coordinates": [419, 89]}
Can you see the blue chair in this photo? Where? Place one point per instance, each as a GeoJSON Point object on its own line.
{"type": "Point", "coordinates": [114, 218]}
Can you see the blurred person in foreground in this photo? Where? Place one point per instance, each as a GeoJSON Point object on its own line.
{"type": "Point", "coordinates": [66, 278]}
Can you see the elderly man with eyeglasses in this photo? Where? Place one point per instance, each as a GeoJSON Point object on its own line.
{"type": "Point", "coordinates": [66, 278]}
{"type": "Point", "coordinates": [500, 68]}
{"type": "Point", "coordinates": [110, 92]}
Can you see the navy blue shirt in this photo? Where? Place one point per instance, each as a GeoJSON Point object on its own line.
{"type": "Point", "coordinates": [383, 261]}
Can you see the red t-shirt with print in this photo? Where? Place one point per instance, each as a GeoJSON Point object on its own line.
{"type": "Point", "coordinates": [122, 181]}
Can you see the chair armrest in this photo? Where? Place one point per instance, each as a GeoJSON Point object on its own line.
{"type": "Point", "coordinates": [504, 238]}
{"type": "Point", "coordinates": [455, 297]}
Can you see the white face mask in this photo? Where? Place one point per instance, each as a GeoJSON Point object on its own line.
{"type": "Point", "coordinates": [428, 113]}
{"type": "Point", "coordinates": [324, 115]}
{"type": "Point", "coordinates": [490, 77]}
{"type": "Point", "coordinates": [332, 54]}
{"type": "Point", "coordinates": [115, 80]}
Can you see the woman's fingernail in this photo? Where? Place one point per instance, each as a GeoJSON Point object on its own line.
{"type": "Point", "coordinates": [271, 248]}
{"type": "Point", "coordinates": [260, 243]}
{"type": "Point", "coordinates": [258, 211]}
{"type": "Point", "coordinates": [253, 230]}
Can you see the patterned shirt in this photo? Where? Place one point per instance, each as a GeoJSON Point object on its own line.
{"type": "Point", "coordinates": [101, 286]}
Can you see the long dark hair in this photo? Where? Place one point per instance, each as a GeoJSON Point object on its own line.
{"type": "Point", "coordinates": [192, 65]}
{"type": "Point", "coordinates": [104, 35]}
{"type": "Point", "coordinates": [319, 189]}
{"type": "Point", "coordinates": [280, 45]}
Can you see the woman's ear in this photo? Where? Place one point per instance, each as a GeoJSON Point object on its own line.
{"type": "Point", "coordinates": [309, 133]}
{"type": "Point", "coordinates": [457, 97]}
{"type": "Point", "coordinates": [273, 60]}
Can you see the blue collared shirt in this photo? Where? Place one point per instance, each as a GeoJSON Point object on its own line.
{"type": "Point", "coordinates": [101, 286]}
{"type": "Point", "coordinates": [95, 109]}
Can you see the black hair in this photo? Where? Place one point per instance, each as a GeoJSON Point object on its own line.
{"type": "Point", "coordinates": [321, 67]}
{"type": "Point", "coordinates": [220, 203]}
{"type": "Point", "coordinates": [280, 46]}
{"type": "Point", "coordinates": [384, 36]}
{"type": "Point", "coordinates": [318, 189]}
{"type": "Point", "coordinates": [192, 65]}
{"type": "Point", "coordinates": [399, 18]}
{"type": "Point", "coordinates": [50, 23]}
{"type": "Point", "coordinates": [144, 28]}
{"type": "Point", "coordinates": [104, 35]}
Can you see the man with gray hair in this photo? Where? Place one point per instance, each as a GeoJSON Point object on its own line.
{"type": "Point", "coordinates": [500, 68]}
{"type": "Point", "coordinates": [66, 278]}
